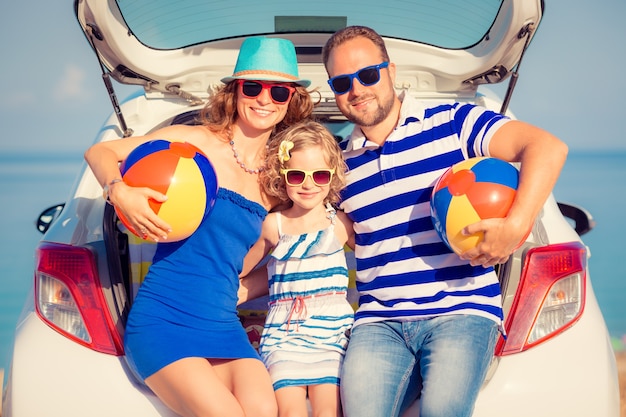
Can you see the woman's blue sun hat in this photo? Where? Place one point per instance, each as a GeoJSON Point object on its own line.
{"type": "Point", "coordinates": [267, 59]}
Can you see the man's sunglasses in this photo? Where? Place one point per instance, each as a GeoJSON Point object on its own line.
{"type": "Point", "coordinates": [341, 84]}
{"type": "Point", "coordinates": [280, 93]}
{"type": "Point", "coordinates": [295, 177]}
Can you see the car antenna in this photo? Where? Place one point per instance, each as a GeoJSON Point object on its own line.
{"type": "Point", "coordinates": [526, 31]}
{"type": "Point", "coordinates": [94, 31]}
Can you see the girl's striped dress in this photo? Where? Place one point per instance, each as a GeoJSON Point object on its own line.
{"type": "Point", "coordinates": [309, 318]}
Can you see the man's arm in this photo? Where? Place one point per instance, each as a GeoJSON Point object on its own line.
{"type": "Point", "coordinates": [542, 156]}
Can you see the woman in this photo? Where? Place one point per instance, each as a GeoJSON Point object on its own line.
{"type": "Point", "coordinates": [183, 336]}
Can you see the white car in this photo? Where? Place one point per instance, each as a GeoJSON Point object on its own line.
{"type": "Point", "coordinates": [68, 357]}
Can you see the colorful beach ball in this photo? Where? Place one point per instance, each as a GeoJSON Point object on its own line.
{"type": "Point", "coordinates": [468, 192]}
{"type": "Point", "coordinates": [180, 171]}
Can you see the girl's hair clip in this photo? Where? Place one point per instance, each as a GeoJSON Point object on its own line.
{"type": "Point", "coordinates": [283, 151]}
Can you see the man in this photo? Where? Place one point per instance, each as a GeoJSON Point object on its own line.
{"type": "Point", "coordinates": [428, 320]}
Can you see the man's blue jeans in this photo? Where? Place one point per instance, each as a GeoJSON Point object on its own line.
{"type": "Point", "coordinates": [443, 361]}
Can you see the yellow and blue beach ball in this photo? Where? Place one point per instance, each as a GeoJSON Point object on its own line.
{"type": "Point", "coordinates": [183, 173]}
{"type": "Point", "coordinates": [468, 192]}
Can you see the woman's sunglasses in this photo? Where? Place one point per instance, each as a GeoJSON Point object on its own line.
{"type": "Point", "coordinates": [341, 84]}
{"type": "Point", "coordinates": [280, 93]}
{"type": "Point", "coordinates": [295, 177]}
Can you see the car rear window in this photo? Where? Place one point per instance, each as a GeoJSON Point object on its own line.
{"type": "Point", "coordinates": [167, 24]}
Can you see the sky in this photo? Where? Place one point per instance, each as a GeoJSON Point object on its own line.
{"type": "Point", "coordinates": [53, 99]}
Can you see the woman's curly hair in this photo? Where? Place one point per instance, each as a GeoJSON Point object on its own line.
{"type": "Point", "coordinates": [305, 134]}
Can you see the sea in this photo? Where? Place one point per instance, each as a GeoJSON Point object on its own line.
{"type": "Point", "coordinates": [31, 182]}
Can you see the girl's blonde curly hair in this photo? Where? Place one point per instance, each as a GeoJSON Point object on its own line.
{"type": "Point", "coordinates": [303, 135]}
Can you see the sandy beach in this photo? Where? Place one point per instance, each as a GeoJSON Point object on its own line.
{"type": "Point", "coordinates": [621, 369]}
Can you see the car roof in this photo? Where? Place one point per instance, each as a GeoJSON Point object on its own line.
{"type": "Point", "coordinates": [440, 48]}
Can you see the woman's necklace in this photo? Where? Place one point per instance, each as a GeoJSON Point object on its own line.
{"type": "Point", "coordinates": [241, 164]}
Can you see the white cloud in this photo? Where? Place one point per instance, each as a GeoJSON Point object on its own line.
{"type": "Point", "coordinates": [71, 86]}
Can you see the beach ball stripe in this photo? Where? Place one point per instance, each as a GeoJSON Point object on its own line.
{"type": "Point", "coordinates": [495, 171]}
{"type": "Point", "coordinates": [455, 224]}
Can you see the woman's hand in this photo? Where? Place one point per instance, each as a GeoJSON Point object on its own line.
{"type": "Point", "coordinates": [134, 204]}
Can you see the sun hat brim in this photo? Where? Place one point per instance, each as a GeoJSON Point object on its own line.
{"type": "Point", "coordinates": [267, 59]}
{"type": "Point", "coordinates": [266, 77]}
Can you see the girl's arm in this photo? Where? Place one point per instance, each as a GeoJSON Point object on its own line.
{"type": "Point", "coordinates": [263, 246]}
{"type": "Point", "coordinates": [253, 285]}
{"type": "Point", "coordinates": [253, 279]}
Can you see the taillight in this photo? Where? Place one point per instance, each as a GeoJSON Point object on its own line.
{"type": "Point", "coordinates": [69, 298]}
{"type": "Point", "coordinates": [550, 297]}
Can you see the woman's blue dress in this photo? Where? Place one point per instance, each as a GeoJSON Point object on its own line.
{"type": "Point", "coordinates": [187, 304]}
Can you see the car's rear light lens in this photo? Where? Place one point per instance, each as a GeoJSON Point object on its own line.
{"type": "Point", "coordinates": [69, 298]}
{"type": "Point", "coordinates": [57, 306]}
{"type": "Point", "coordinates": [550, 297]}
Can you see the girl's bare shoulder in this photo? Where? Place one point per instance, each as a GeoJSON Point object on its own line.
{"type": "Point", "coordinates": [269, 230]}
{"type": "Point", "coordinates": [343, 228]}
{"type": "Point", "coordinates": [344, 219]}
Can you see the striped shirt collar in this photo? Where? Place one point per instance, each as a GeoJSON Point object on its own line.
{"type": "Point", "coordinates": [412, 110]}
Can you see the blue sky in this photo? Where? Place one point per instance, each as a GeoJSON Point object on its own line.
{"type": "Point", "coordinates": [571, 80]}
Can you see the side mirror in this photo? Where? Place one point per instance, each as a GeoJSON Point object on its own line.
{"type": "Point", "coordinates": [48, 216]}
{"type": "Point", "coordinates": [583, 220]}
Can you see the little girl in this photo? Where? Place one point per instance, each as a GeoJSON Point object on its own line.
{"type": "Point", "coordinates": [309, 317]}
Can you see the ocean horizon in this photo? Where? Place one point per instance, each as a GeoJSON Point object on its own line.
{"type": "Point", "coordinates": [31, 182]}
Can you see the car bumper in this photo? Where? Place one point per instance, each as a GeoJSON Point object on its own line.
{"type": "Point", "coordinates": [572, 374]}
{"type": "Point", "coordinates": [53, 376]}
